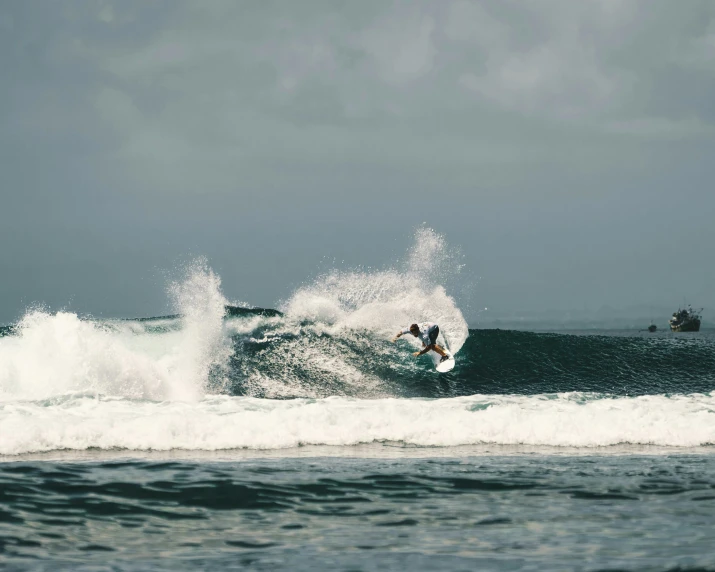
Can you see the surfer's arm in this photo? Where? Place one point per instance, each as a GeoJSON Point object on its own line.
{"type": "Point", "coordinates": [399, 334]}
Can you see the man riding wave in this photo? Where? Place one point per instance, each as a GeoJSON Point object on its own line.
{"type": "Point", "coordinates": [427, 332]}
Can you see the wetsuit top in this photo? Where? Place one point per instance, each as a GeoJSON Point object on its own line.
{"type": "Point", "coordinates": [426, 328]}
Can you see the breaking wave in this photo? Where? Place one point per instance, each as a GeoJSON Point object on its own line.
{"type": "Point", "coordinates": [321, 369]}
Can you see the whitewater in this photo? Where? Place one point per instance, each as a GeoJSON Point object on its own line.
{"type": "Point", "coordinates": [321, 370]}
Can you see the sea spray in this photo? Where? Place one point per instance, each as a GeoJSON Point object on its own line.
{"type": "Point", "coordinates": [55, 354]}
{"type": "Point", "coordinates": [382, 301]}
{"type": "Point", "coordinates": [51, 355]}
{"type": "Point", "coordinates": [203, 351]}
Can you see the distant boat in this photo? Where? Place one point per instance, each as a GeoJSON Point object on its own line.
{"type": "Point", "coordinates": [685, 320]}
{"type": "Point", "coordinates": [652, 328]}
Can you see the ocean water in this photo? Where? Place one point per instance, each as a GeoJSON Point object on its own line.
{"type": "Point", "coordinates": [225, 436]}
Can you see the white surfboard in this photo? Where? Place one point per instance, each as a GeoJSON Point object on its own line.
{"type": "Point", "coordinates": [442, 366]}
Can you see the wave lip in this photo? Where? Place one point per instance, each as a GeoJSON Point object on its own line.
{"type": "Point", "coordinates": [221, 423]}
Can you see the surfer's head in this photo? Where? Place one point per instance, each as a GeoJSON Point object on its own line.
{"type": "Point", "coordinates": [415, 330]}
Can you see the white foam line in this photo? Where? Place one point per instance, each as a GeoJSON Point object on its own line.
{"type": "Point", "coordinates": [218, 423]}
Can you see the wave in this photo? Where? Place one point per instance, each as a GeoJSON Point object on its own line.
{"type": "Point", "coordinates": [321, 369]}
{"type": "Point", "coordinates": [221, 422]}
{"type": "Point", "coordinates": [270, 354]}
{"type": "Point", "coordinates": [46, 355]}
{"type": "Point", "coordinates": [331, 337]}
{"type": "Point", "coordinates": [497, 361]}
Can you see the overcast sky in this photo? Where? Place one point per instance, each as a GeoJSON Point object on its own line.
{"type": "Point", "coordinates": [567, 147]}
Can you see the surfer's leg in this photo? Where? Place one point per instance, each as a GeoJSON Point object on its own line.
{"type": "Point", "coordinates": [433, 333]}
{"type": "Point", "coordinates": [439, 349]}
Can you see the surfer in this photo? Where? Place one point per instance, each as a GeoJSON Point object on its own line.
{"type": "Point", "coordinates": [428, 333]}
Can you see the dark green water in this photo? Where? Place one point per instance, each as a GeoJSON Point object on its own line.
{"type": "Point", "coordinates": [488, 512]}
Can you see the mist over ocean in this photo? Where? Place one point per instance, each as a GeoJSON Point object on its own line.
{"type": "Point", "coordinates": [228, 436]}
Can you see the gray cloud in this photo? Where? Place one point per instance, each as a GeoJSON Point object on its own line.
{"type": "Point", "coordinates": [565, 145]}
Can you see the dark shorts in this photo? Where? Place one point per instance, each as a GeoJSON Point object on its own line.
{"type": "Point", "coordinates": [433, 332]}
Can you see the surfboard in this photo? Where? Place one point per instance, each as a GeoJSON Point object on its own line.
{"type": "Point", "coordinates": [444, 366]}
{"type": "Point", "coordinates": [447, 365]}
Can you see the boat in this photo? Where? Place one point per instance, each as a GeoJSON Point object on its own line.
{"type": "Point", "coordinates": [652, 328]}
{"type": "Point", "coordinates": [685, 320]}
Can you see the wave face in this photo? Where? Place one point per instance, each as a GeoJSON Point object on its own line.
{"type": "Point", "coordinates": [321, 369]}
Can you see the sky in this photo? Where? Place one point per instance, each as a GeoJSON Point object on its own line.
{"type": "Point", "coordinates": [567, 148]}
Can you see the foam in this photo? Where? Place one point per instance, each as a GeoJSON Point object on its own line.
{"type": "Point", "coordinates": [221, 422]}
{"type": "Point", "coordinates": [382, 302]}
{"type": "Point", "coordinates": [55, 354]}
